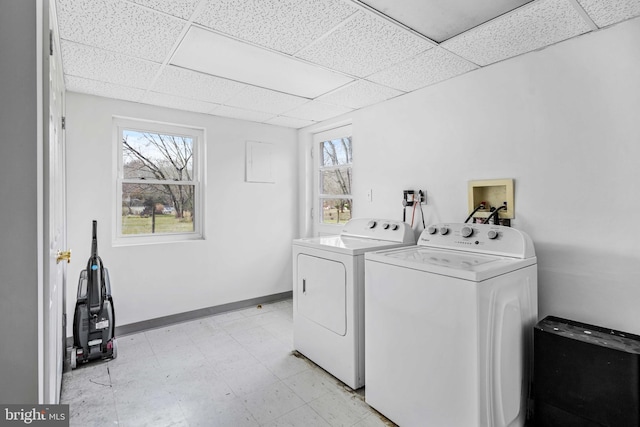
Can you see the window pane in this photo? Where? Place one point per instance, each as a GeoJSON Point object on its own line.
{"type": "Point", "coordinates": [157, 156]}
{"type": "Point", "coordinates": [155, 208]}
{"type": "Point", "coordinates": [336, 181]}
{"type": "Point", "coordinates": [336, 211]}
{"type": "Point", "coordinates": [336, 152]}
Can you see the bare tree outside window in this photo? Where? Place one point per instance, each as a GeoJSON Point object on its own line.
{"type": "Point", "coordinates": [157, 190]}
{"type": "Point", "coordinates": [335, 180]}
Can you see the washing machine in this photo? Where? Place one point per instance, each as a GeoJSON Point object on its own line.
{"type": "Point", "coordinates": [328, 300]}
{"type": "Point", "coordinates": [449, 327]}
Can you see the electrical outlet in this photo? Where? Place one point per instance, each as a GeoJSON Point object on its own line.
{"type": "Point", "coordinates": [422, 196]}
{"type": "Point", "coordinates": [409, 197]}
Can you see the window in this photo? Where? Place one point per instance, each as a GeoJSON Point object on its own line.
{"type": "Point", "coordinates": [334, 175]}
{"type": "Point", "coordinates": [159, 181]}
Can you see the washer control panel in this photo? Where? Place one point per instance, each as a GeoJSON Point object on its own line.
{"type": "Point", "coordinates": [479, 238]}
{"type": "Point", "coordinates": [381, 229]}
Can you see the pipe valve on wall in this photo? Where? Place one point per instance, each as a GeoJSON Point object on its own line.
{"type": "Point", "coordinates": [410, 198]}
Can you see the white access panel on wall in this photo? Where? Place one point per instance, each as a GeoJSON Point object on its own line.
{"type": "Point", "coordinates": [259, 162]}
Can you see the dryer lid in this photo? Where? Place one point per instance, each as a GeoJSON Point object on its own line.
{"type": "Point", "coordinates": [346, 244]}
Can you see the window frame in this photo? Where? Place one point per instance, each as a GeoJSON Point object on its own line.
{"type": "Point", "coordinates": [120, 124]}
{"type": "Point", "coordinates": [343, 131]}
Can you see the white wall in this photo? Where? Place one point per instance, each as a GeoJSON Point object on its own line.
{"type": "Point", "coordinates": [248, 226]}
{"type": "Point", "coordinates": [564, 122]}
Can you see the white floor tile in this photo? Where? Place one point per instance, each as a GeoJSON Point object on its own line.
{"type": "Point", "coordinates": [341, 408]}
{"type": "Point", "coordinates": [249, 378]}
{"type": "Point", "coordinates": [170, 338]}
{"type": "Point", "coordinates": [374, 420]}
{"type": "Point", "coordinates": [272, 402]}
{"type": "Point", "coordinates": [285, 364]}
{"type": "Point", "coordinates": [311, 384]}
{"type": "Point", "coordinates": [187, 358]}
{"type": "Point", "coordinates": [229, 413]}
{"type": "Point", "coordinates": [158, 411]}
{"type": "Point", "coordinates": [303, 416]}
{"type": "Point", "coordinates": [233, 369]}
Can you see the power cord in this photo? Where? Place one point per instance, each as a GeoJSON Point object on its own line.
{"type": "Point", "coordinates": [480, 206]}
{"type": "Point", "coordinates": [494, 215]}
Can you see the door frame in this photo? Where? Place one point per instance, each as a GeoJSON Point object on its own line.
{"type": "Point", "coordinates": [51, 207]}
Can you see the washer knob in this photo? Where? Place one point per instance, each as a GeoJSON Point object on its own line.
{"type": "Point", "coordinates": [432, 229]}
{"type": "Point", "coordinates": [492, 234]}
{"type": "Point", "coordinates": [385, 225]}
{"type": "Point", "coordinates": [466, 231]}
{"type": "Point", "coordinates": [371, 224]}
{"type": "Point", "coordinates": [394, 227]}
{"type": "Point", "coordinates": [444, 230]}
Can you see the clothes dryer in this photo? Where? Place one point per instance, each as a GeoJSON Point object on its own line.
{"type": "Point", "coordinates": [328, 293]}
{"type": "Point", "coordinates": [449, 327]}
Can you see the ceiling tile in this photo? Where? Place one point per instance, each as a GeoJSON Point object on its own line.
{"type": "Point", "coordinates": [283, 25]}
{"type": "Point", "coordinates": [359, 94]}
{"type": "Point", "coordinates": [191, 84]}
{"type": "Point", "coordinates": [289, 122]}
{"type": "Point", "coordinates": [98, 64]}
{"type": "Point", "coordinates": [178, 102]}
{"type": "Point", "coordinates": [440, 20]}
{"type": "Point", "coordinates": [317, 111]}
{"type": "Point", "coordinates": [241, 61]}
{"type": "Point", "coordinates": [108, 90]}
{"type": "Point", "coordinates": [119, 26]}
{"type": "Point", "coordinates": [533, 26]}
{"type": "Point", "coordinates": [432, 66]}
{"type": "Point", "coordinates": [265, 100]}
{"type": "Point", "coordinates": [364, 45]}
{"type": "Point", "coordinates": [180, 8]}
{"type": "Point", "coordinates": [239, 113]}
{"type": "Point", "coordinates": [607, 12]}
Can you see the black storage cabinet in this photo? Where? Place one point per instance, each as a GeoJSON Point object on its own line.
{"type": "Point", "coordinates": [585, 375]}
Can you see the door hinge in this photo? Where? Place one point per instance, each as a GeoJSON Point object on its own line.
{"type": "Point", "coordinates": [64, 320]}
{"type": "Point", "coordinates": [64, 123]}
{"type": "Point", "coordinates": [311, 213]}
{"type": "Point", "coordinates": [312, 152]}
{"type": "Point", "coordinates": [50, 42]}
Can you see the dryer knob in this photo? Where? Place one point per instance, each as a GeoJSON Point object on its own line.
{"type": "Point", "coordinates": [371, 224]}
{"type": "Point", "coordinates": [492, 234]}
{"type": "Point", "coordinates": [385, 225]}
{"type": "Point", "coordinates": [432, 229]}
{"type": "Point", "coordinates": [444, 230]}
{"type": "Point", "coordinates": [466, 231]}
{"type": "Point", "coordinates": [394, 227]}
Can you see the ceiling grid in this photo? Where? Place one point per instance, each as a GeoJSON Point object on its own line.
{"type": "Point", "coordinates": [293, 63]}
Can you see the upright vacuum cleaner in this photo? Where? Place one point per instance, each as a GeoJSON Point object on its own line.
{"type": "Point", "coordinates": [94, 318]}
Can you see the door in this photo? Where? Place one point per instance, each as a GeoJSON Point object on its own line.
{"type": "Point", "coordinates": [55, 223]}
{"type": "Point", "coordinates": [321, 289]}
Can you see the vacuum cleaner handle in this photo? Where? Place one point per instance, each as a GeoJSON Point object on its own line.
{"type": "Point", "coordinates": [95, 276]}
{"type": "Point", "coordinates": [94, 239]}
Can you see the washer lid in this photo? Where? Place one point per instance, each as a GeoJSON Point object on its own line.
{"type": "Point", "coordinates": [463, 265]}
{"type": "Point", "coordinates": [347, 244]}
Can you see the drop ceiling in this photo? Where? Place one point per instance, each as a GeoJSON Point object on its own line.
{"type": "Point", "coordinates": [293, 63]}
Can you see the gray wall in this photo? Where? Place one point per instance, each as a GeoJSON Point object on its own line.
{"type": "Point", "coordinates": [19, 198]}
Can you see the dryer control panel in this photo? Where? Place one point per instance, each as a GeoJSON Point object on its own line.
{"type": "Point", "coordinates": [478, 238]}
{"type": "Point", "coordinates": [380, 229]}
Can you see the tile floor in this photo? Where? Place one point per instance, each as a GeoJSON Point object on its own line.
{"type": "Point", "coordinates": [232, 369]}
